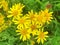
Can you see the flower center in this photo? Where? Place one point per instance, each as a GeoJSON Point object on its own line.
{"type": "Point", "coordinates": [24, 32]}
{"type": "Point", "coordinates": [33, 27]}
{"type": "Point", "coordinates": [15, 12]}
{"type": "Point", "coordinates": [22, 21]}
{"type": "Point", "coordinates": [41, 35]}
{"type": "Point", "coordinates": [47, 16]}
{"type": "Point", "coordinates": [39, 18]}
{"type": "Point", "coordinates": [32, 17]}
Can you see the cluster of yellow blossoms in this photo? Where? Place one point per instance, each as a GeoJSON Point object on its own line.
{"type": "Point", "coordinates": [3, 23]}
{"type": "Point", "coordinates": [31, 24]}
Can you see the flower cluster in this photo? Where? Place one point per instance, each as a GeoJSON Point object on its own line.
{"type": "Point", "coordinates": [31, 24]}
{"type": "Point", "coordinates": [4, 8]}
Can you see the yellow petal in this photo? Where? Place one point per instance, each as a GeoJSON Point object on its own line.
{"type": "Point", "coordinates": [17, 30]}
{"type": "Point", "coordinates": [20, 26]}
{"type": "Point", "coordinates": [42, 41]}
{"type": "Point", "coordinates": [24, 38]}
{"type": "Point", "coordinates": [38, 40]}
{"type": "Point", "coordinates": [9, 16]}
{"type": "Point", "coordinates": [20, 37]}
{"type": "Point", "coordinates": [46, 32]}
{"type": "Point", "coordinates": [45, 39]}
{"type": "Point", "coordinates": [28, 36]}
{"type": "Point", "coordinates": [9, 12]}
{"type": "Point", "coordinates": [46, 36]}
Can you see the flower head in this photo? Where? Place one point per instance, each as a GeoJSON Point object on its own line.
{"type": "Point", "coordinates": [16, 10]}
{"type": "Point", "coordinates": [48, 16]}
{"type": "Point", "coordinates": [41, 36]}
{"type": "Point", "coordinates": [34, 28]}
{"type": "Point", "coordinates": [31, 16]}
{"type": "Point", "coordinates": [25, 33]}
{"type": "Point", "coordinates": [40, 18]}
{"type": "Point", "coordinates": [21, 21]}
{"type": "Point", "coordinates": [44, 17]}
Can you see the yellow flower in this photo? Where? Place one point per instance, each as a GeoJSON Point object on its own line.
{"type": "Point", "coordinates": [31, 16]}
{"type": "Point", "coordinates": [21, 21]}
{"type": "Point", "coordinates": [44, 17]}
{"type": "Point", "coordinates": [4, 4]}
{"type": "Point", "coordinates": [1, 19]}
{"type": "Point", "coordinates": [48, 15]}
{"type": "Point", "coordinates": [15, 10]}
{"type": "Point", "coordinates": [41, 36]}
{"type": "Point", "coordinates": [34, 28]}
{"type": "Point", "coordinates": [24, 33]}
{"type": "Point", "coordinates": [40, 18]}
